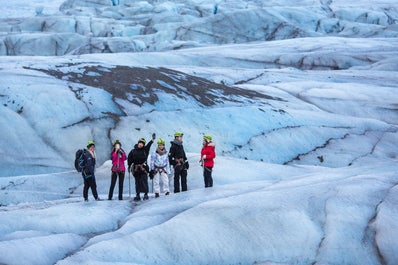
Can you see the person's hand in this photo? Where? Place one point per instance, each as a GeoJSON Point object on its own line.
{"type": "Point", "coordinates": [204, 157]}
{"type": "Point", "coordinates": [151, 174]}
{"type": "Point", "coordinates": [187, 165]}
{"type": "Point", "coordinates": [153, 136]}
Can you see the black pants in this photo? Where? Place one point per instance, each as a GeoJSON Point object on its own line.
{"type": "Point", "coordinates": [90, 183]}
{"type": "Point", "coordinates": [141, 182]}
{"type": "Point", "coordinates": [207, 176]}
{"type": "Point", "coordinates": [180, 172]}
{"type": "Point", "coordinates": [115, 175]}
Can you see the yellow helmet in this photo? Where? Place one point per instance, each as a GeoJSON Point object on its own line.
{"type": "Point", "coordinates": [177, 134]}
{"type": "Point", "coordinates": [90, 143]}
{"type": "Point", "coordinates": [207, 137]}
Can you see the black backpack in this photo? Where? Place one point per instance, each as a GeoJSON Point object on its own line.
{"type": "Point", "coordinates": [79, 160]}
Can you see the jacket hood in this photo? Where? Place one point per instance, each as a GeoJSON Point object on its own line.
{"type": "Point", "coordinates": [161, 152]}
{"type": "Point", "coordinates": [211, 144]}
{"type": "Point", "coordinates": [136, 147]}
{"type": "Point", "coordinates": [176, 142]}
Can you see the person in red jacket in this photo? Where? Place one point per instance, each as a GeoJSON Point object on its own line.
{"type": "Point", "coordinates": [207, 156]}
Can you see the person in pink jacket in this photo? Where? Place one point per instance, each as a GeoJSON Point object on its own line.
{"type": "Point", "coordinates": [207, 156]}
{"type": "Point", "coordinates": [118, 157]}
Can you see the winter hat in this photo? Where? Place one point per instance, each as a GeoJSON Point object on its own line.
{"type": "Point", "coordinates": [142, 140]}
{"type": "Point", "coordinates": [177, 134]}
{"type": "Point", "coordinates": [89, 144]}
{"type": "Point", "coordinates": [207, 138]}
{"type": "Point", "coordinates": [117, 142]}
{"type": "Point", "coordinates": [161, 141]}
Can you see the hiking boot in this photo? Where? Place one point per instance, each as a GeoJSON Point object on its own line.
{"type": "Point", "coordinates": [167, 193]}
{"type": "Point", "coordinates": [98, 199]}
{"type": "Point", "coordinates": [137, 198]}
{"type": "Point", "coordinates": [156, 195]}
{"type": "Point", "coordinates": [146, 197]}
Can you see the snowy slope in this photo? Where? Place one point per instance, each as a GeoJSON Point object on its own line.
{"type": "Point", "coordinates": [274, 115]}
{"type": "Point", "coordinates": [257, 212]}
{"type": "Point", "coordinates": [299, 96]}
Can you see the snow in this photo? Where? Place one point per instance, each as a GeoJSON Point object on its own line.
{"type": "Point", "coordinates": [268, 213]}
{"type": "Point", "coordinates": [300, 98]}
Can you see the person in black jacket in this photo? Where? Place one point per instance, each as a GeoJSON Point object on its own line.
{"type": "Point", "coordinates": [88, 171]}
{"type": "Point", "coordinates": [178, 160]}
{"type": "Point", "coordinates": [137, 162]}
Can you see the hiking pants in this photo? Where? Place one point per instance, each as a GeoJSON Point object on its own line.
{"type": "Point", "coordinates": [115, 175]}
{"type": "Point", "coordinates": [90, 183]}
{"type": "Point", "coordinates": [141, 182]}
{"type": "Point", "coordinates": [156, 182]}
{"type": "Point", "coordinates": [180, 172]}
{"type": "Point", "coordinates": [207, 176]}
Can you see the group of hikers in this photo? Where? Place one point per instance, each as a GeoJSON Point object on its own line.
{"type": "Point", "coordinates": [158, 168]}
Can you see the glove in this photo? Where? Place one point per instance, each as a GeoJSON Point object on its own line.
{"type": "Point", "coordinates": [151, 174]}
{"type": "Point", "coordinates": [187, 165]}
{"type": "Point", "coordinates": [153, 136]}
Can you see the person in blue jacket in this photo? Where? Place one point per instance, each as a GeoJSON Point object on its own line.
{"type": "Point", "coordinates": [88, 172]}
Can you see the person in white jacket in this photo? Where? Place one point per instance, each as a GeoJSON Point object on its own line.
{"type": "Point", "coordinates": [160, 168]}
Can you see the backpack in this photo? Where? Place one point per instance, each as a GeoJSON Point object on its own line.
{"type": "Point", "coordinates": [79, 160]}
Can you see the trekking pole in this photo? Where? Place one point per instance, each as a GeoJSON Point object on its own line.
{"type": "Point", "coordinates": [202, 164]}
{"type": "Point", "coordinates": [171, 176]}
{"type": "Point", "coordinates": [129, 186]}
